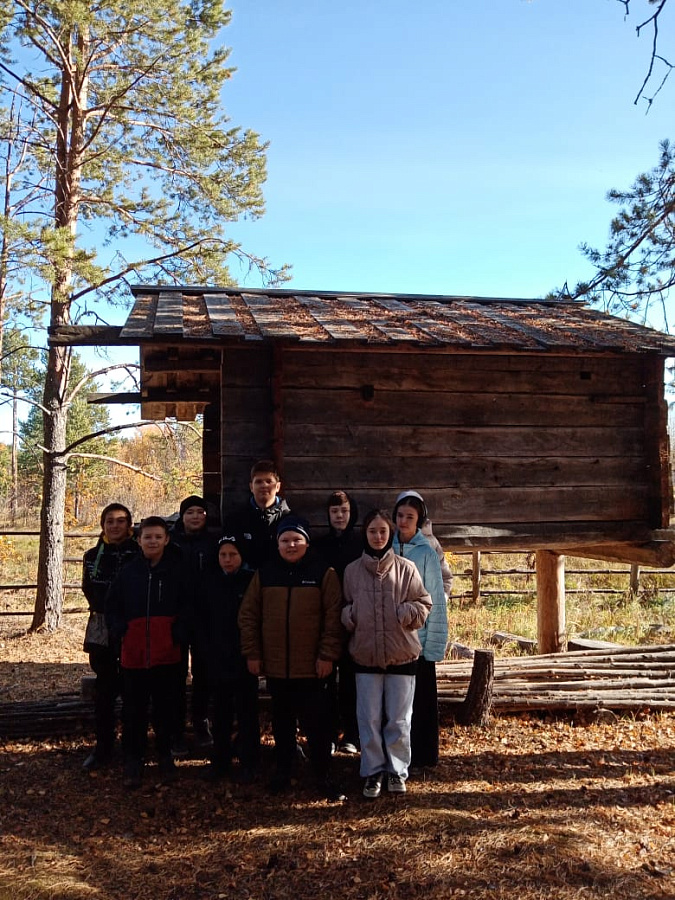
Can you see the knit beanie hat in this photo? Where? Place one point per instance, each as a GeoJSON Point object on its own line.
{"type": "Point", "coordinates": [237, 540]}
{"type": "Point", "coordinates": [294, 523]}
{"type": "Point", "coordinates": [192, 500]}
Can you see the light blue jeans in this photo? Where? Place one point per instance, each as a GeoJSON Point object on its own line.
{"type": "Point", "coordinates": [384, 711]}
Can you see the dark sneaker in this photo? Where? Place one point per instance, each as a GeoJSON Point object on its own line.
{"type": "Point", "coordinates": [133, 775]}
{"type": "Point", "coordinates": [395, 784]}
{"type": "Point", "coordinates": [332, 791]}
{"type": "Point", "coordinates": [373, 786]}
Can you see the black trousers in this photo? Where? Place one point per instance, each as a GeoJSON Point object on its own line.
{"type": "Point", "coordinates": [147, 693]}
{"type": "Point", "coordinates": [302, 701]}
{"type": "Point", "coordinates": [105, 663]}
{"type": "Point", "coordinates": [236, 698]}
{"type": "Point", "coordinates": [424, 727]}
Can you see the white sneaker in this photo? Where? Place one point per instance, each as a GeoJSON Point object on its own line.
{"type": "Point", "coordinates": [395, 784]}
{"type": "Point", "coordinates": [373, 786]}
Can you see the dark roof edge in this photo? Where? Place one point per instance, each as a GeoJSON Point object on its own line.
{"type": "Point", "coordinates": [137, 289]}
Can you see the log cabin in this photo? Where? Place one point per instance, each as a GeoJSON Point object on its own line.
{"type": "Point", "coordinates": [537, 425]}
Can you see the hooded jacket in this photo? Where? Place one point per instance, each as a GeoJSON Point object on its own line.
{"type": "Point", "coordinates": [386, 604]}
{"type": "Point", "coordinates": [197, 548]}
{"type": "Point", "coordinates": [148, 609]}
{"type": "Point", "coordinates": [100, 567]}
{"type": "Point", "coordinates": [290, 617]}
{"type": "Point", "coordinates": [258, 528]}
{"type": "Point", "coordinates": [216, 627]}
{"type": "Point", "coordinates": [341, 549]}
{"type": "Point", "coordinates": [433, 634]}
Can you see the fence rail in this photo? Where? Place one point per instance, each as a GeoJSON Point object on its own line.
{"type": "Point", "coordinates": [477, 576]}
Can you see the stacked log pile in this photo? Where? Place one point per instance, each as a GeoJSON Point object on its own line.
{"type": "Point", "coordinates": [625, 678]}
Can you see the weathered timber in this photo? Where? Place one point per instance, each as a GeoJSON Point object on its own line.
{"type": "Point", "coordinates": [305, 368]}
{"type": "Point", "coordinates": [587, 644]}
{"type": "Point", "coordinates": [623, 678]}
{"type": "Point", "coordinates": [443, 441]}
{"type": "Point", "coordinates": [501, 471]}
{"type": "Point", "coordinates": [470, 505]}
{"type": "Point", "coordinates": [476, 707]}
{"type": "Point", "coordinates": [550, 601]}
{"type": "Point", "coordinates": [504, 637]}
{"type": "Point", "coordinates": [389, 407]}
{"type": "Point", "coordinates": [656, 553]}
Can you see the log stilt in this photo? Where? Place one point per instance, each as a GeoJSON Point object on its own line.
{"type": "Point", "coordinates": [550, 602]}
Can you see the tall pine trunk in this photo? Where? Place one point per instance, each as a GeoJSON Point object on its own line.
{"type": "Point", "coordinates": [49, 599]}
{"type": "Point", "coordinates": [69, 143]}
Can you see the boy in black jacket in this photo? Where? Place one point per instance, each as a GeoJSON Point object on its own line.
{"type": "Point", "coordinates": [147, 609]}
{"type": "Point", "coordinates": [234, 690]}
{"type": "Point", "coordinates": [101, 565]}
{"type": "Point", "coordinates": [257, 520]}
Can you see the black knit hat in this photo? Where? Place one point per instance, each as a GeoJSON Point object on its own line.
{"type": "Point", "coordinates": [237, 540]}
{"type": "Point", "coordinates": [192, 500]}
{"type": "Point", "coordinates": [294, 523]}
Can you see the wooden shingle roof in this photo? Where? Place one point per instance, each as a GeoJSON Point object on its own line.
{"type": "Point", "coordinates": [465, 324]}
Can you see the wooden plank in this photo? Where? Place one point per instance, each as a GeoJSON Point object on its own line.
{"type": "Point", "coordinates": [85, 335]}
{"type": "Point", "coordinates": [344, 438]}
{"type": "Point", "coordinates": [466, 409]}
{"type": "Point", "coordinates": [141, 319]}
{"type": "Point", "coordinates": [576, 643]}
{"type": "Point", "coordinates": [647, 553]}
{"type": "Point", "coordinates": [385, 325]}
{"type": "Point", "coordinates": [193, 363]}
{"type": "Point", "coordinates": [223, 317]}
{"type": "Point", "coordinates": [328, 317]}
{"type": "Point", "coordinates": [169, 315]}
{"type": "Point", "coordinates": [656, 438]}
{"type": "Point", "coordinates": [485, 506]}
{"type": "Point", "coordinates": [449, 373]}
{"type": "Point", "coordinates": [268, 313]}
{"type": "Point", "coordinates": [381, 471]}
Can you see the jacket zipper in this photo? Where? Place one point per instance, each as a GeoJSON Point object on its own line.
{"type": "Point", "coordinates": [147, 624]}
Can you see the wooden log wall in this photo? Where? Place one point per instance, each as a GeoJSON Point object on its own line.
{"type": "Point", "coordinates": [487, 439]}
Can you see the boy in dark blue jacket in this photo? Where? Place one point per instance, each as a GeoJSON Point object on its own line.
{"type": "Point", "coordinates": [147, 610]}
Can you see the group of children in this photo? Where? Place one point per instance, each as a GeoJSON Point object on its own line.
{"type": "Point", "coordinates": [346, 631]}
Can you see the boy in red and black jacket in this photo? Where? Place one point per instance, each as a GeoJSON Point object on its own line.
{"type": "Point", "coordinates": [148, 611]}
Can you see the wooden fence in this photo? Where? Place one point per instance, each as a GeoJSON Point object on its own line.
{"type": "Point", "coordinates": [472, 579]}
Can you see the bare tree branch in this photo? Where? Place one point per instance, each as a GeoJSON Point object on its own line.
{"type": "Point", "coordinates": [117, 462]}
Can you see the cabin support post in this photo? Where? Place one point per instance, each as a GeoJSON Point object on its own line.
{"type": "Point", "coordinates": [550, 601]}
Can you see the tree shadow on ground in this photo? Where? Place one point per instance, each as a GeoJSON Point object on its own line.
{"type": "Point", "coordinates": [526, 825]}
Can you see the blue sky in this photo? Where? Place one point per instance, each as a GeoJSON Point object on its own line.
{"type": "Point", "coordinates": [461, 147]}
{"type": "Point", "coordinates": [446, 146]}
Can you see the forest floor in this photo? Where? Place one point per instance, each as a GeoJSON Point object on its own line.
{"type": "Point", "coordinates": [528, 807]}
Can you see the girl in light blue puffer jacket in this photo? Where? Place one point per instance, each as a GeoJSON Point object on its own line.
{"type": "Point", "coordinates": [409, 513]}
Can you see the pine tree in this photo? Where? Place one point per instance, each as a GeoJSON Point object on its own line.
{"type": "Point", "coordinates": [131, 139]}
